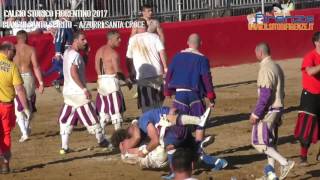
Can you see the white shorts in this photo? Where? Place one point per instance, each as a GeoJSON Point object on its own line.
{"type": "Point", "coordinates": [29, 85]}
{"type": "Point", "coordinates": [107, 84]}
{"type": "Point", "coordinates": [155, 159]}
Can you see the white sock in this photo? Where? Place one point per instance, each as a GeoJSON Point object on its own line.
{"type": "Point", "coordinates": [64, 141]}
{"type": "Point", "coordinates": [117, 126]}
{"type": "Point", "coordinates": [271, 161]}
{"type": "Point", "coordinates": [275, 155]}
{"type": "Point", "coordinates": [21, 123]}
{"type": "Point", "coordinates": [100, 137]}
{"type": "Point", "coordinates": [186, 119]}
{"type": "Point", "coordinates": [27, 123]}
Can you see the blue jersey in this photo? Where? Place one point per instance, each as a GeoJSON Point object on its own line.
{"type": "Point", "coordinates": [173, 134]}
{"type": "Point", "coordinates": [152, 116]}
{"type": "Point", "coordinates": [189, 71]}
{"type": "Point", "coordinates": [62, 37]}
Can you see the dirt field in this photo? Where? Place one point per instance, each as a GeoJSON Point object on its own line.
{"type": "Point", "coordinates": [236, 90]}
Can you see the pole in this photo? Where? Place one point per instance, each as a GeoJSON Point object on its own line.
{"type": "Point", "coordinates": [262, 6]}
{"type": "Point", "coordinates": [1, 18]}
{"type": "Point", "coordinates": [179, 9]}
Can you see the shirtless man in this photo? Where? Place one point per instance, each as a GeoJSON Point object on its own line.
{"type": "Point", "coordinates": [26, 61]}
{"type": "Point", "coordinates": [153, 27]}
{"type": "Point", "coordinates": [110, 103]}
{"type": "Point", "coordinates": [153, 24]}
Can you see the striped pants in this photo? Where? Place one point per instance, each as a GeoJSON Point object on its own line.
{"type": "Point", "coordinates": [149, 98]}
{"type": "Point", "coordinates": [70, 116]}
{"type": "Point", "coordinates": [110, 108]}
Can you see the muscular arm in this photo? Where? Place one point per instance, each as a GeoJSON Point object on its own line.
{"type": "Point", "coordinates": [312, 71]}
{"type": "Point", "coordinates": [36, 69]}
{"type": "Point", "coordinates": [161, 34]}
{"type": "Point", "coordinates": [97, 61]}
{"type": "Point", "coordinates": [75, 76]}
{"type": "Point", "coordinates": [131, 69]}
{"type": "Point", "coordinates": [154, 137]}
{"type": "Point", "coordinates": [21, 93]}
{"type": "Point", "coordinates": [163, 57]}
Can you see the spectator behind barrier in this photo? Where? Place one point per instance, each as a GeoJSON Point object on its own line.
{"type": "Point", "coordinates": [283, 7]}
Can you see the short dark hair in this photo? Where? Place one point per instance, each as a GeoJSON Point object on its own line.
{"type": "Point", "coordinates": [316, 37]}
{"type": "Point", "coordinates": [144, 22]}
{"type": "Point", "coordinates": [77, 34]}
{"type": "Point", "coordinates": [111, 33]}
{"type": "Point", "coordinates": [22, 34]}
{"type": "Point", "coordinates": [6, 46]}
{"type": "Point", "coordinates": [182, 160]}
{"type": "Point", "coordinates": [118, 136]}
{"type": "Point", "coordinates": [146, 6]}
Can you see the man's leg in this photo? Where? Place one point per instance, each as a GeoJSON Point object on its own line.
{"type": "Point", "coordinates": [67, 119]}
{"type": "Point", "coordinates": [183, 120]}
{"type": "Point", "coordinates": [22, 121]}
{"type": "Point", "coordinates": [87, 114]}
{"type": "Point", "coordinates": [103, 109]}
{"type": "Point", "coordinates": [7, 123]}
{"type": "Point", "coordinates": [305, 135]}
{"type": "Point", "coordinates": [149, 98]}
{"type": "Point", "coordinates": [197, 108]}
{"type": "Point", "coordinates": [272, 120]}
{"type": "Point", "coordinates": [117, 107]}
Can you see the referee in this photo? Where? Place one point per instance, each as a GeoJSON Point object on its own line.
{"type": "Point", "coordinates": [10, 83]}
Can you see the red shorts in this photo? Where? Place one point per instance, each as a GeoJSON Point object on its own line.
{"type": "Point", "coordinates": [7, 122]}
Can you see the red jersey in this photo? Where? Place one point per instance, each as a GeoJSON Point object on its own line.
{"type": "Point", "coordinates": [311, 83]}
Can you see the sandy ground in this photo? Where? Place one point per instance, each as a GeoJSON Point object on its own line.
{"type": "Point", "coordinates": [236, 90]}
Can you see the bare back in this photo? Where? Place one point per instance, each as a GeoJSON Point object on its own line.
{"type": "Point", "coordinates": [23, 58]}
{"type": "Point", "coordinates": [107, 61]}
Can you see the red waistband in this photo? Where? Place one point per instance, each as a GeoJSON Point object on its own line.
{"type": "Point", "coordinates": [6, 103]}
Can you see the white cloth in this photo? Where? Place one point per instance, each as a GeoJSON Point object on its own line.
{"type": "Point", "coordinates": [108, 84]}
{"type": "Point", "coordinates": [72, 57]}
{"type": "Point", "coordinates": [144, 49]}
{"type": "Point", "coordinates": [154, 159]}
{"type": "Point", "coordinates": [75, 100]}
{"type": "Point", "coordinates": [29, 84]}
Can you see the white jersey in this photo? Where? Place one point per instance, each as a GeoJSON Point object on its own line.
{"type": "Point", "coordinates": [144, 49]}
{"type": "Point", "coordinates": [72, 57]}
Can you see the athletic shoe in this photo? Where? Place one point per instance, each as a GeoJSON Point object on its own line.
{"type": "Point", "coordinates": [270, 173]}
{"type": "Point", "coordinates": [105, 144]}
{"type": "Point", "coordinates": [5, 169]}
{"type": "Point", "coordinates": [204, 117]}
{"type": "Point", "coordinates": [220, 164]}
{"type": "Point", "coordinates": [214, 163]}
{"type": "Point", "coordinates": [303, 161]}
{"type": "Point", "coordinates": [64, 151]}
{"type": "Point", "coordinates": [284, 170]}
{"type": "Point", "coordinates": [23, 139]}
{"type": "Point", "coordinates": [208, 140]}
{"type": "Point", "coordinates": [168, 177]}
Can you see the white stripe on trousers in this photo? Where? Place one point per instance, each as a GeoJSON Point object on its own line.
{"type": "Point", "coordinates": [82, 118]}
